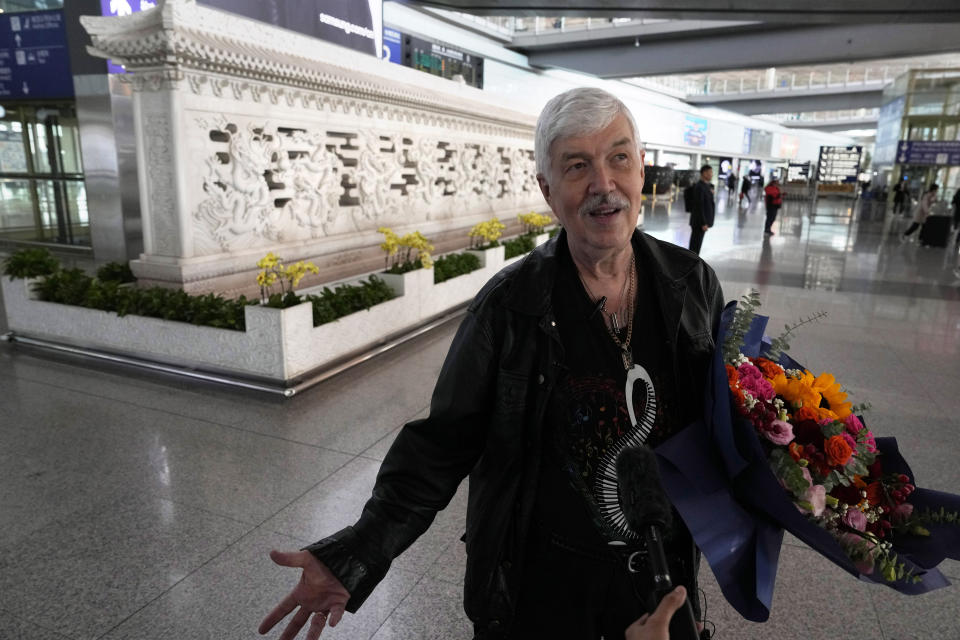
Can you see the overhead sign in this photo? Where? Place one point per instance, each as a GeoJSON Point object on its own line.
{"type": "Point", "coordinates": [839, 164]}
{"type": "Point", "coordinates": [356, 24]}
{"type": "Point", "coordinates": [695, 131]}
{"type": "Point", "coordinates": [392, 46]}
{"type": "Point", "coordinates": [936, 153]}
{"type": "Point", "coordinates": [34, 63]}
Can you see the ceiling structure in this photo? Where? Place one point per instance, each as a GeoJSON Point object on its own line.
{"type": "Point", "coordinates": [782, 60]}
{"type": "Point", "coordinates": [808, 11]}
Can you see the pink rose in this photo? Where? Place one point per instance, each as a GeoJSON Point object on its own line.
{"type": "Point", "coordinates": [860, 551]}
{"type": "Point", "coordinates": [747, 370]}
{"type": "Point", "coordinates": [855, 519]}
{"type": "Point", "coordinates": [850, 440]}
{"type": "Point", "coordinates": [901, 513]}
{"type": "Point", "coordinates": [853, 424]}
{"type": "Point", "coordinates": [816, 497]}
{"type": "Point", "coordinates": [779, 432]}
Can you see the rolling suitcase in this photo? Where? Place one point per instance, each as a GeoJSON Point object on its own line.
{"type": "Point", "coordinates": [935, 232]}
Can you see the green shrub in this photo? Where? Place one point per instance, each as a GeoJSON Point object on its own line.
{"type": "Point", "coordinates": [74, 287]}
{"type": "Point", "coordinates": [453, 265]}
{"type": "Point", "coordinates": [69, 286]}
{"type": "Point", "coordinates": [553, 231]}
{"type": "Point", "coordinates": [518, 246]}
{"type": "Point", "coordinates": [116, 272]}
{"type": "Point", "coordinates": [346, 299]}
{"type": "Point", "coordinates": [30, 263]}
{"type": "Point", "coordinates": [404, 267]}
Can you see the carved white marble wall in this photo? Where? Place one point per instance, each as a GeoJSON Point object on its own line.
{"type": "Point", "coordinates": [253, 139]}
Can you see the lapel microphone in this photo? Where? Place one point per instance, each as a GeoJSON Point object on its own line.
{"type": "Point", "coordinates": [649, 514]}
{"type": "Point", "coordinates": [601, 303]}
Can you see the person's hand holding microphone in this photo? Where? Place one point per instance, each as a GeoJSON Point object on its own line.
{"type": "Point", "coordinates": [656, 626]}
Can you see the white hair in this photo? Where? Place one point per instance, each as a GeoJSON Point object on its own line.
{"type": "Point", "coordinates": [576, 112]}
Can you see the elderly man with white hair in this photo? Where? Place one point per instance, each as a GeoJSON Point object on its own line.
{"type": "Point", "coordinates": [600, 338]}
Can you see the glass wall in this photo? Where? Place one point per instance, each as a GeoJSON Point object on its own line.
{"type": "Point", "coordinates": [42, 195]}
{"type": "Point", "coordinates": [17, 6]}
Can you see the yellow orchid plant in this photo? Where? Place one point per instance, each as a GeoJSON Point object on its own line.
{"type": "Point", "coordinates": [486, 234]}
{"type": "Point", "coordinates": [274, 271]}
{"type": "Point", "coordinates": [402, 248]}
{"type": "Point", "coordinates": [534, 223]}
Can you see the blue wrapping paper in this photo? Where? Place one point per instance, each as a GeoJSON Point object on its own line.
{"type": "Point", "coordinates": [717, 476]}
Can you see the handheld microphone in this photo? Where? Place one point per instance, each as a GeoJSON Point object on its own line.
{"type": "Point", "coordinates": [598, 308]}
{"type": "Point", "coordinates": [648, 512]}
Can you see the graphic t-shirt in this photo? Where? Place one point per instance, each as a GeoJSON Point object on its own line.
{"type": "Point", "coordinates": [588, 414]}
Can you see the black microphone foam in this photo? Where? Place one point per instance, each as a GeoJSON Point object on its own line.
{"type": "Point", "coordinates": [641, 495]}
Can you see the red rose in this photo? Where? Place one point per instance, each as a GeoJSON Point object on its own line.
{"type": "Point", "coordinates": [838, 451]}
{"type": "Point", "coordinates": [808, 432]}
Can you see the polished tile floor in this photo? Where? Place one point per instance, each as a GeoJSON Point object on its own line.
{"type": "Point", "coordinates": [136, 506]}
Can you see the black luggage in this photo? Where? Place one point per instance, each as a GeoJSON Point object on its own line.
{"type": "Point", "coordinates": [935, 232]}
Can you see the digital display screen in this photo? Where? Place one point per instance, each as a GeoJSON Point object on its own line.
{"type": "Point", "coordinates": [442, 60]}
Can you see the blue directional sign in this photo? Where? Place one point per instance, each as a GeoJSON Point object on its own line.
{"type": "Point", "coordinates": [34, 62]}
{"type": "Point", "coordinates": [920, 152]}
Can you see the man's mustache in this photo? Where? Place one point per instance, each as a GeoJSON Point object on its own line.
{"type": "Point", "coordinates": [613, 199]}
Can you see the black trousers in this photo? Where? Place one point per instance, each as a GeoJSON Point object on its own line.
{"type": "Point", "coordinates": [913, 227]}
{"type": "Point", "coordinates": [566, 595]}
{"type": "Point", "coordinates": [696, 238]}
{"type": "Point", "coordinates": [771, 216]}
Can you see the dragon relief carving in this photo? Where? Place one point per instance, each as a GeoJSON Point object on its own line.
{"type": "Point", "coordinates": [315, 176]}
{"type": "Point", "coordinates": [427, 170]}
{"type": "Point", "coordinates": [375, 173]}
{"type": "Point", "coordinates": [264, 183]}
{"type": "Point", "coordinates": [239, 208]}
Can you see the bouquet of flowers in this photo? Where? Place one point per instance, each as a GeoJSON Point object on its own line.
{"type": "Point", "coordinates": [780, 448]}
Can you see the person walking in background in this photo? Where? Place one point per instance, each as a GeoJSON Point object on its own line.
{"type": "Point", "coordinates": [703, 209]}
{"type": "Point", "coordinates": [956, 210]}
{"type": "Point", "coordinates": [773, 198]}
{"type": "Point", "coordinates": [732, 182]}
{"type": "Point", "coordinates": [745, 189]}
{"type": "Point", "coordinates": [922, 211]}
{"type": "Point", "coordinates": [899, 197]}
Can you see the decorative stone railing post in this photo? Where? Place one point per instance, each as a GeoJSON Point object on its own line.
{"type": "Point", "coordinates": [252, 138]}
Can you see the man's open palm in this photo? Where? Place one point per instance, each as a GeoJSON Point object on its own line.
{"type": "Point", "coordinates": [318, 594]}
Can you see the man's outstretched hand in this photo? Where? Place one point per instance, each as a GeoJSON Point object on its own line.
{"type": "Point", "coordinates": [318, 594]}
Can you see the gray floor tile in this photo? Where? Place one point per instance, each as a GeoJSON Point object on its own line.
{"type": "Point", "coordinates": [225, 470]}
{"type": "Point", "coordinates": [12, 627]}
{"type": "Point", "coordinates": [931, 615]}
{"type": "Point", "coordinates": [82, 575]}
{"type": "Point", "coordinates": [432, 611]}
{"type": "Point", "coordinates": [229, 597]}
{"type": "Point", "coordinates": [808, 587]}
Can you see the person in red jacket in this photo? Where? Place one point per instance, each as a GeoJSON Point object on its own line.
{"type": "Point", "coordinates": [773, 199]}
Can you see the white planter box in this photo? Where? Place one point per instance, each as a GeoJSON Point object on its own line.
{"type": "Point", "coordinates": [278, 344]}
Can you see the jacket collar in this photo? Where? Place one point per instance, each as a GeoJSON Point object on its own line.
{"type": "Point", "coordinates": [533, 282]}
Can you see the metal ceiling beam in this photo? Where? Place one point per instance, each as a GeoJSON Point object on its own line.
{"type": "Point", "coordinates": [750, 48]}
{"type": "Point", "coordinates": [788, 102]}
{"type": "Point", "coordinates": [833, 126]}
{"type": "Point", "coordinates": [792, 11]}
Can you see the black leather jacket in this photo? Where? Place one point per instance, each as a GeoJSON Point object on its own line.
{"type": "Point", "coordinates": [486, 419]}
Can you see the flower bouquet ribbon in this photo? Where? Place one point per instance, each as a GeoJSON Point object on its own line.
{"type": "Point", "coordinates": [779, 449]}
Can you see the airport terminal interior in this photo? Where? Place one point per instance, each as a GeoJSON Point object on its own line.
{"type": "Point", "coordinates": [149, 465]}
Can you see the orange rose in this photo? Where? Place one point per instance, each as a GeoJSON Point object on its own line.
{"type": "Point", "coordinates": [837, 450]}
{"type": "Point", "coordinates": [732, 376]}
{"type": "Point", "coordinates": [770, 368]}
{"type": "Point", "coordinates": [806, 413]}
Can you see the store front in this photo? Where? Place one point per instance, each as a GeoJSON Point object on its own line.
{"type": "Point", "coordinates": [42, 195]}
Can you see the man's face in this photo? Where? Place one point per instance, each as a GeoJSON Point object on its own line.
{"type": "Point", "coordinates": [707, 175]}
{"type": "Point", "coordinates": [594, 185]}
